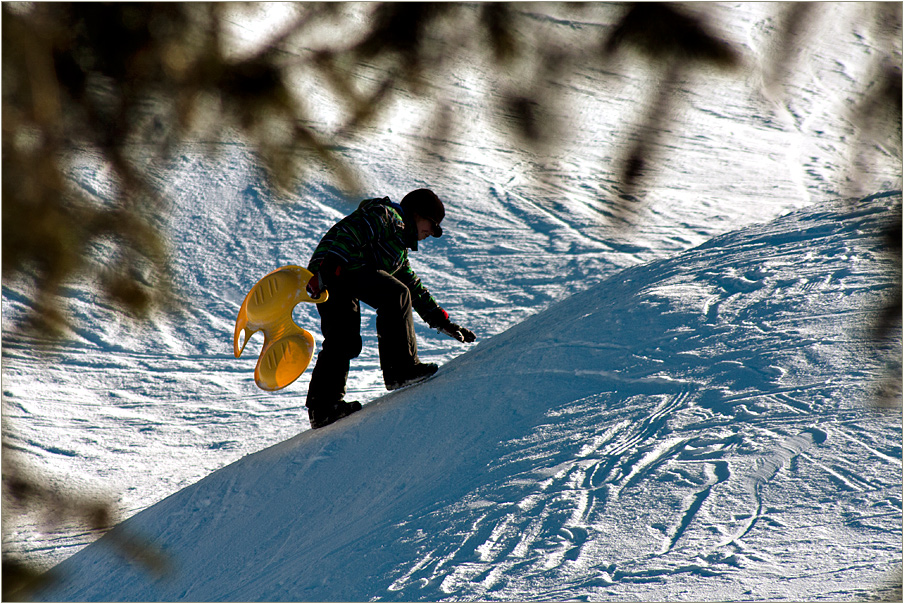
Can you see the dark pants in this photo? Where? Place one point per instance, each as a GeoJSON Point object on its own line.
{"type": "Point", "coordinates": [340, 321]}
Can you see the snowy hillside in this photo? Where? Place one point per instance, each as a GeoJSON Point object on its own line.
{"type": "Point", "coordinates": [694, 428]}
{"type": "Point", "coordinates": [693, 415]}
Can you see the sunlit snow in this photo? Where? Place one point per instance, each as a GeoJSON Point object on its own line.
{"type": "Point", "coordinates": [679, 409]}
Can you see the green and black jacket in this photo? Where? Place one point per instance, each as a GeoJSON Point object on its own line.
{"type": "Point", "coordinates": [375, 237]}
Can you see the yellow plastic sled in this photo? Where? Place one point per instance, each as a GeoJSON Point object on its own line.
{"type": "Point", "coordinates": [268, 307]}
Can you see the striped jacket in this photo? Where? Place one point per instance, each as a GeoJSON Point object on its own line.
{"type": "Point", "coordinates": [375, 237]}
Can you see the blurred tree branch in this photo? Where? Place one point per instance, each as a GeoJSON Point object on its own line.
{"type": "Point", "coordinates": [129, 82]}
{"type": "Point", "coordinates": [114, 78]}
{"type": "Point", "coordinates": [26, 492]}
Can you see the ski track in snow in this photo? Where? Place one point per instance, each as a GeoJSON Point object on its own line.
{"type": "Point", "coordinates": [709, 457]}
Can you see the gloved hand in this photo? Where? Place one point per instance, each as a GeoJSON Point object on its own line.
{"type": "Point", "coordinates": [315, 286]}
{"type": "Point", "coordinates": [456, 331]}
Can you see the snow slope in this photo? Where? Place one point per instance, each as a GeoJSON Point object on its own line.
{"type": "Point", "coordinates": [693, 428]}
{"type": "Point", "coordinates": [138, 412]}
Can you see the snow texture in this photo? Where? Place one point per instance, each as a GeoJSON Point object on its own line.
{"type": "Point", "coordinates": [678, 408]}
{"type": "Point", "coordinates": [679, 431]}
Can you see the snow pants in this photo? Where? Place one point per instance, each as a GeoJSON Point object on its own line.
{"type": "Point", "coordinates": [340, 321]}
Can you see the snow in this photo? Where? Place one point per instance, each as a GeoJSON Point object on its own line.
{"type": "Point", "coordinates": [675, 409]}
{"type": "Point", "coordinates": [679, 431]}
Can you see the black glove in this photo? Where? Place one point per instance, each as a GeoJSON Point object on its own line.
{"type": "Point", "coordinates": [456, 331]}
{"type": "Point", "coordinates": [315, 286]}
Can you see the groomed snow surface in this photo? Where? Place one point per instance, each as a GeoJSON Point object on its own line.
{"type": "Point", "coordinates": [695, 428]}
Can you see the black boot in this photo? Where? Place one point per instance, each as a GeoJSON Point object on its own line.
{"type": "Point", "coordinates": [411, 375]}
{"type": "Point", "coordinates": [324, 415]}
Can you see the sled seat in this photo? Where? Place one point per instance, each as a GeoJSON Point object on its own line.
{"type": "Point", "coordinates": [268, 307]}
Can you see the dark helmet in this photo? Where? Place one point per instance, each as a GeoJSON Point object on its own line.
{"type": "Point", "coordinates": [425, 204]}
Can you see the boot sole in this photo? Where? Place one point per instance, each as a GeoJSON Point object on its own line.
{"type": "Point", "coordinates": [333, 420]}
{"type": "Point", "coordinates": [410, 382]}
